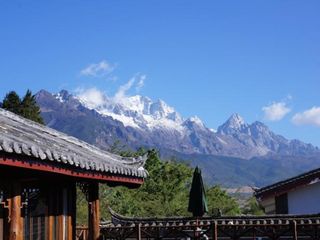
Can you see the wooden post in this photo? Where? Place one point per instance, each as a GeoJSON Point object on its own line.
{"type": "Point", "coordinates": [72, 211]}
{"type": "Point", "coordinates": [51, 201]}
{"type": "Point", "coordinates": [93, 211]}
{"type": "Point", "coordinates": [295, 234]}
{"type": "Point", "coordinates": [253, 233]}
{"type": "Point", "coordinates": [214, 231]}
{"type": "Point", "coordinates": [139, 231]}
{"type": "Point", "coordinates": [15, 220]}
{"type": "Point", "coordinates": [316, 232]}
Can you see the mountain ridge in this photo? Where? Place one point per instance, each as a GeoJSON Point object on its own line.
{"type": "Point", "coordinates": [236, 154]}
{"type": "Point", "coordinates": [156, 124]}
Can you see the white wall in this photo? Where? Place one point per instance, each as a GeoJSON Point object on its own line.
{"type": "Point", "coordinates": [305, 200]}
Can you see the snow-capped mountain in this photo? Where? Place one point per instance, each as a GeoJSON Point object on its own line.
{"type": "Point", "coordinates": [137, 112]}
{"type": "Point", "coordinates": [139, 121]}
{"type": "Point", "coordinates": [233, 125]}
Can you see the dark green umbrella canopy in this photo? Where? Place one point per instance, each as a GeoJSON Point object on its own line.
{"type": "Point", "coordinates": [197, 198]}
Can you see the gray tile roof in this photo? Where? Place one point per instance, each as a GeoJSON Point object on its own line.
{"type": "Point", "coordinates": [118, 220]}
{"type": "Point", "coordinates": [24, 137]}
{"type": "Point", "coordinates": [290, 183]}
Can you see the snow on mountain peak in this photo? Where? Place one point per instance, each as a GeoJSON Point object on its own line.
{"type": "Point", "coordinates": [213, 130]}
{"type": "Point", "coordinates": [138, 104]}
{"type": "Point", "coordinates": [236, 120]}
{"type": "Point", "coordinates": [156, 123]}
{"type": "Point", "coordinates": [62, 96]}
{"type": "Point", "coordinates": [135, 111]}
{"type": "Point", "coordinates": [196, 120]}
{"type": "Point", "coordinates": [234, 124]}
{"type": "Point", "coordinates": [160, 109]}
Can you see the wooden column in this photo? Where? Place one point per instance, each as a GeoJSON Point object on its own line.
{"type": "Point", "coordinates": [94, 211]}
{"type": "Point", "coordinates": [15, 219]}
{"type": "Point", "coordinates": [139, 231]}
{"type": "Point", "coordinates": [294, 229]}
{"type": "Point", "coordinates": [72, 211]}
{"type": "Point", "coordinates": [52, 211]}
{"type": "Point", "coordinates": [214, 230]}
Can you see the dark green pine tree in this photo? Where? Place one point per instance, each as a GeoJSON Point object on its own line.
{"type": "Point", "coordinates": [30, 109]}
{"type": "Point", "coordinates": [12, 102]}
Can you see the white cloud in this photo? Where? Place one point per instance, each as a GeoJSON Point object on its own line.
{"type": "Point", "coordinates": [140, 82]}
{"type": "Point", "coordinates": [308, 117]}
{"type": "Point", "coordinates": [137, 81]}
{"type": "Point", "coordinates": [93, 97]}
{"type": "Point", "coordinates": [275, 111]}
{"type": "Point", "coordinates": [100, 69]}
{"type": "Point", "coordinates": [123, 89]}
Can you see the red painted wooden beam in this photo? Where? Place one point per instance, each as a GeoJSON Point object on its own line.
{"type": "Point", "coordinates": [45, 166]}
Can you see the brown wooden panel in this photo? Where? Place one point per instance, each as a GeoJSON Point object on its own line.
{"type": "Point", "coordinates": [94, 211]}
{"type": "Point", "coordinates": [15, 223]}
{"type": "Point", "coordinates": [1, 227]}
{"type": "Point", "coordinates": [60, 216]}
{"type": "Point", "coordinates": [39, 227]}
{"type": "Point", "coordinates": [71, 211]}
{"type": "Point", "coordinates": [50, 228]}
{"type": "Point", "coordinates": [51, 217]}
{"type": "Point", "coordinates": [51, 212]}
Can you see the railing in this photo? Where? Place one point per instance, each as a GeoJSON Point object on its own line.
{"type": "Point", "coordinates": [244, 228]}
{"type": "Point", "coordinates": [230, 228]}
{"type": "Point", "coordinates": [82, 233]}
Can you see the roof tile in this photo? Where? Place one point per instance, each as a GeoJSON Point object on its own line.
{"type": "Point", "coordinates": [28, 138]}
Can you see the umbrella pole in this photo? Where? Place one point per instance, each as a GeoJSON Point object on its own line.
{"type": "Point", "coordinates": [197, 233]}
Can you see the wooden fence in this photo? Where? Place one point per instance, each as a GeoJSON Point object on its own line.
{"type": "Point", "coordinates": [222, 228]}
{"type": "Point", "coordinates": [273, 227]}
{"type": "Point", "coordinates": [82, 233]}
{"type": "Point", "coordinates": [215, 231]}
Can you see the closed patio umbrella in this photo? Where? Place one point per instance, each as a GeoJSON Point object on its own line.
{"type": "Point", "coordinates": [197, 198]}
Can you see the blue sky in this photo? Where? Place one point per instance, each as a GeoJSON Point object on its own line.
{"type": "Point", "coordinates": [260, 59]}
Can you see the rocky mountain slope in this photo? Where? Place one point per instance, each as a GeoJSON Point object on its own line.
{"type": "Point", "coordinates": [237, 154]}
{"type": "Point", "coordinates": [138, 121]}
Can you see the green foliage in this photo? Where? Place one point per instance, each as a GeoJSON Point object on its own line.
{"type": "Point", "coordinates": [252, 207]}
{"type": "Point", "coordinates": [220, 201]}
{"type": "Point", "coordinates": [27, 107]}
{"type": "Point", "coordinates": [82, 208]}
{"type": "Point", "coordinates": [12, 102]}
{"type": "Point", "coordinates": [30, 109]}
{"type": "Point", "coordinates": [164, 193]}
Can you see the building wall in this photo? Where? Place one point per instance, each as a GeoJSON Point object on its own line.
{"type": "Point", "coordinates": [305, 200]}
{"type": "Point", "coordinates": [269, 205]}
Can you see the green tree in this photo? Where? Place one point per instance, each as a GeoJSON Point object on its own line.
{"type": "Point", "coordinates": [12, 102]}
{"type": "Point", "coordinates": [219, 202]}
{"type": "Point", "coordinates": [252, 207]}
{"type": "Point", "coordinates": [27, 107]}
{"type": "Point", "coordinates": [30, 109]}
{"type": "Point", "coordinates": [165, 192]}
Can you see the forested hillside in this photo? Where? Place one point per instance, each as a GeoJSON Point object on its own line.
{"type": "Point", "coordinates": [164, 193]}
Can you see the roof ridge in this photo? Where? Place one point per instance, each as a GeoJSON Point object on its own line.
{"type": "Point", "coordinates": [25, 137]}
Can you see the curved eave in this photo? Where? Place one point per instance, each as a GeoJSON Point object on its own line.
{"type": "Point", "coordinates": [31, 140]}
{"type": "Point", "coordinates": [287, 185]}
{"type": "Point", "coordinates": [14, 160]}
{"type": "Point", "coordinates": [229, 221]}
